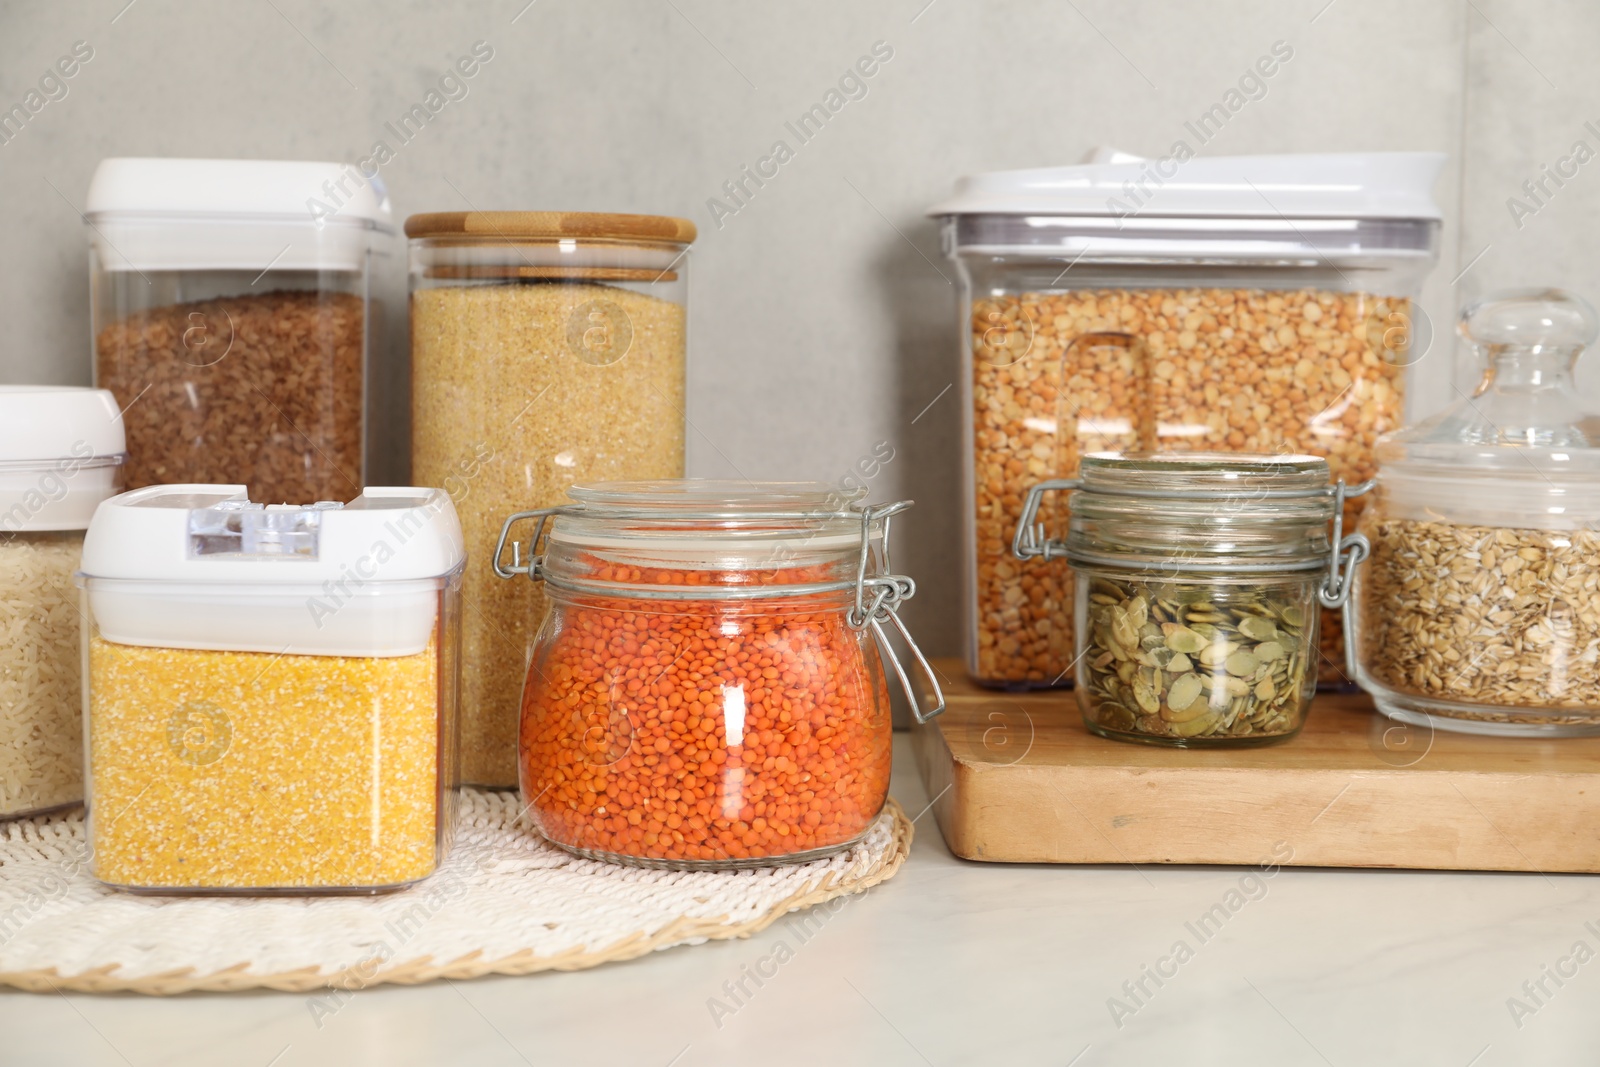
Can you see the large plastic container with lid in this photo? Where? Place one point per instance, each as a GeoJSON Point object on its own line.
{"type": "Point", "coordinates": [548, 349]}
{"type": "Point", "coordinates": [233, 315]}
{"type": "Point", "coordinates": [61, 453]}
{"type": "Point", "coordinates": [706, 689]}
{"type": "Point", "coordinates": [1253, 304]}
{"type": "Point", "coordinates": [271, 689]}
{"type": "Point", "coordinates": [1479, 609]}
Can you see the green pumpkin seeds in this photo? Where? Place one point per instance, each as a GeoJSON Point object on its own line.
{"type": "Point", "coordinates": [1182, 639]}
{"type": "Point", "coordinates": [1240, 664]}
{"type": "Point", "coordinates": [1116, 717]}
{"type": "Point", "coordinates": [1144, 693]}
{"type": "Point", "coordinates": [1256, 628]}
{"type": "Point", "coordinates": [1196, 727]}
{"type": "Point", "coordinates": [1165, 664]}
{"type": "Point", "coordinates": [1185, 690]}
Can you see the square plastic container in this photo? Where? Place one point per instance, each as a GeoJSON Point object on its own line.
{"type": "Point", "coordinates": [271, 691]}
{"type": "Point", "coordinates": [1254, 304]}
{"type": "Point", "coordinates": [233, 317]}
{"type": "Point", "coordinates": [61, 454]}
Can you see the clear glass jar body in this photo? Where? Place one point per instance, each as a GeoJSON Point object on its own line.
{"type": "Point", "coordinates": [706, 691]}
{"type": "Point", "coordinates": [254, 375]}
{"type": "Point", "coordinates": [1195, 660]}
{"type": "Point", "coordinates": [41, 685]}
{"type": "Point", "coordinates": [1134, 334]}
{"type": "Point", "coordinates": [704, 734]}
{"type": "Point", "coordinates": [1479, 608]}
{"type": "Point", "coordinates": [212, 770]}
{"type": "Point", "coordinates": [1477, 626]}
{"type": "Point", "coordinates": [1196, 603]}
{"type": "Point", "coordinates": [537, 363]}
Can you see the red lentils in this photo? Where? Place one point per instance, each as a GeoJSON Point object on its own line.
{"type": "Point", "coordinates": [703, 732]}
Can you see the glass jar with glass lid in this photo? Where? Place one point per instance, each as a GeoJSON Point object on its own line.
{"type": "Point", "coordinates": [1480, 608]}
{"type": "Point", "coordinates": [1198, 581]}
{"type": "Point", "coordinates": [702, 693]}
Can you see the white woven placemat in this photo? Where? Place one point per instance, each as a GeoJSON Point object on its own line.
{"type": "Point", "coordinates": [504, 903]}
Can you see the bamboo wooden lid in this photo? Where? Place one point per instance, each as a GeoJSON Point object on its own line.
{"type": "Point", "coordinates": [551, 225]}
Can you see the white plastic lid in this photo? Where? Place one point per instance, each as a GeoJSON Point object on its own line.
{"type": "Point", "coordinates": [233, 214]}
{"type": "Point", "coordinates": [1354, 185]}
{"type": "Point", "coordinates": [60, 447]}
{"type": "Point", "coordinates": [201, 566]}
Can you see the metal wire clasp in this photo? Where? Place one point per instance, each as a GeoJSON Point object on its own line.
{"type": "Point", "coordinates": [534, 568]}
{"type": "Point", "coordinates": [877, 598]}
{"type": "Point", "coordinates": [1347, 551]}
{"type": "Point", "coordinates": [878, 601]}
{"type": "Point", "coordinates": [1030, 541]}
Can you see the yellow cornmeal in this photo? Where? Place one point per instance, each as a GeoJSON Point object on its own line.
{"type": "Point", "coordinates": [215, 770]}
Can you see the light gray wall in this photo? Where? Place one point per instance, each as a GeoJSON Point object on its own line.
{"type": "Point", "coordinates": [823, 320]}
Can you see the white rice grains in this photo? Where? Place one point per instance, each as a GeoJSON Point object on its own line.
{"type": "Point", "coordinates": [41, 673]}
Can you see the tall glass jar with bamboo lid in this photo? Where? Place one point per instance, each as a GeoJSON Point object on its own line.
{"type": "Point", "coordinates": [548, 349]}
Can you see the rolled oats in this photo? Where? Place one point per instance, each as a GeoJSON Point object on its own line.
{"type": "Point", "coordinates": [1506, 618]}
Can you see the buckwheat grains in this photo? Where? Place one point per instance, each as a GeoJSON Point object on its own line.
{"type": "Point", "coordinates": [264, 389]}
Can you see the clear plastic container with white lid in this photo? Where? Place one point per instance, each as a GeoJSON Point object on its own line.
{"type": "Point", "coordinates": [272, 689]}
{"type": "Point", "coordinates": [61, 453]}
{"type": "Point", "coordinates": [233, 314]}
{"type": "Point", "coordinates": [1479, 608]}
{"type": "Point", "coordinates": [1255, 304]}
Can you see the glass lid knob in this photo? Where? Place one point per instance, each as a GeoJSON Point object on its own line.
{"type": "Point", "coordinates": [1530, 319]}
{"type": "Point", "coordinates": [1528, 341]}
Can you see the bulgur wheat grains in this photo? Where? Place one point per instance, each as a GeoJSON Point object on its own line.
{"type": "Point", "coordinates": [508, 412]}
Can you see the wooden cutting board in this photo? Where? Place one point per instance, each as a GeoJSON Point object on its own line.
{"type": "Point", "coordinates": [1019, 780]}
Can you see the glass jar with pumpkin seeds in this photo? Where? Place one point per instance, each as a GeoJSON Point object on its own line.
{"type": "Point", "coordinates": [1198, 581]}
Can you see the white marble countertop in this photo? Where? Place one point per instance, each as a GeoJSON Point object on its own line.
{"type": "Point", "coordinates": [964, 963]}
